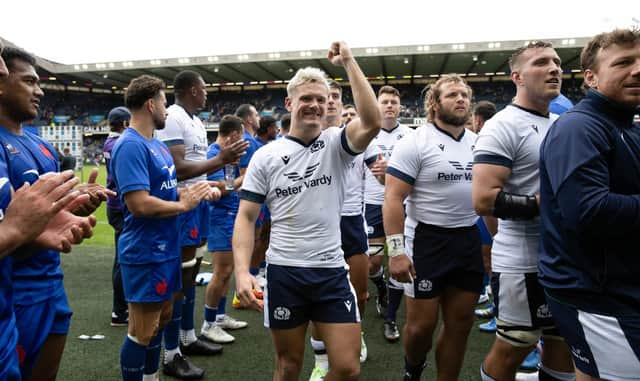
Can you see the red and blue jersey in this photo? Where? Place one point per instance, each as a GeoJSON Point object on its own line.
{"type": "Point", "coordinates": [141, 164]}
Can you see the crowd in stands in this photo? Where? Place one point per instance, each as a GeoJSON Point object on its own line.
{"type": "Point", "coordinates": [80, 107]}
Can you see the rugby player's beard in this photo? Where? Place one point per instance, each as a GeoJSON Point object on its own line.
{"type": "Point", "coordinates": [452, 119]}
{"type": "Point", "coordinates": [158, 123]}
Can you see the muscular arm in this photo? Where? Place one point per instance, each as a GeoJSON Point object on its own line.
{"type": "Point", "coordinates": [362, 130]}
{"type": "Point", "coordinates": [396, 191]}
{"type": "Point", "coordinates": [243, 242]}
{"type": "Point", "coordinates": [488, 181]}
{"type": "Point", "coordinates": [187, 169]}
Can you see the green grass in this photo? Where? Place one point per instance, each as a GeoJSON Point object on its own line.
{"type": "Point", "coordinates": [88, 282]}
{"type": "Point", "coordinates": [102, 233]}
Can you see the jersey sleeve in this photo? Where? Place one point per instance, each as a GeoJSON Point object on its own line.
{"type": "Point", "coordinates": [130, 168]}
{"type": "Point", "coordinates": [495, 145]}
{"type": "Point", "coordinates": [404, 163]}
{"type": "Point", "coordinates": [173, 132]}
{"type": "Point", "coordinates": [255, 185]}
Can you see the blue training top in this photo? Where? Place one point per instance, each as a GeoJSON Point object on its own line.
{"type": "Point", "coordinates": [590, 207]}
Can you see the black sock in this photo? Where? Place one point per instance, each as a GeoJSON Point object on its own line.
{"type": "Point", "coordinates": [380, 282]}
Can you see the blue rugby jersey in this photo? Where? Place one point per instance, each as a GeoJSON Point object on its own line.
{"type": "Point", "coordinates": [39, 276]}
{"type": "Point", "coordinates": [231, 200]}
{"type": "Point", "coordinates": [141, 164]}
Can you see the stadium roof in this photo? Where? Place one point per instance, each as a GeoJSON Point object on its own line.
{"type": "Point", "coordinates": [410, 64]}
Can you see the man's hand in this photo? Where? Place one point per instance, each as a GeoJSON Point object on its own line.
{"type": "Point", "coordinates": [64, 230]}
{"type": "Point", "coordinates": [245, 284]}
{"type": "Point", "coordinates": [215, 194]}
{"type": "Point", "coordinates": [401, 269]}
{"type": "Point", "coordinates": [379, 168]}
{"type": "Point", "coordinates": [97, 194]}
{"type": "Point", "coordinates": [191, 195]}
{"type": "Point", "coordinates": [339, 53]}
{"type": "Point", "coordinates": [231, 153]}
{"type": "Point", "coordinates": [33, 206]}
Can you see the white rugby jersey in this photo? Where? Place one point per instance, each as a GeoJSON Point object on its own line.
{"type": "Point", "coordinates": [303, 186]}
{"type": "Point", "coordinates": [354, 188]}
{"type": "Point", "coordinates": [183, 128]}
{"type": "Point", "coordinates": [386, 140]}
{"type": "Point", "coordinates": [512, 139]}
{"type": "Point", "coordinates": [438, 166]}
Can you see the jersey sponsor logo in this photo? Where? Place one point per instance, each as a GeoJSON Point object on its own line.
{"type": "Point", "coordinates": [307, 173]}
{"type": "Point", "coordinates": [171, 183]}
{"type": "Point", "coordinates": [281, 313]}
{"type": "Point", "coordinates": [577, 354]}
{"type": "Point", "coordinates": [386, 151]}
{"type": "Point", "coordinates": [457, 177]}
{"type": "Point", "coordinates": [543, 312]}
{"type": "Point", "coordinates": [170, 169]}
{"type": "Point", "coordinates": [12, 150]}
{"type": "Point", "coordinates": [425, 285]}
{"type": "Point", "coordinates": [457, 165]}
{"type": "Point", "coordinates": [285, 159]}
{"type": "Point", "coordinates": [199, 148]}
{"type": "Point", "coordinates": [441, 146]}
{"type": "Point", "coordinates": [161, 287]}
{"type": "Point", "coordinates": [348, 304]}
{"type": "Point", "coordinates": [317, 146]}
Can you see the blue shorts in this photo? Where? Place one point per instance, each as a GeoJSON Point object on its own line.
{"type": "Point", "coordinates": [194, 226]}
{"type": "Point", "coordinates": [221, 229]}
{"type": "Point", "coordinates": [602, 346]}
{"type": "Point", "coordinates": [442, 258]}
{"type": "Point", "coordinates": [354, 236]}
{"type": "Point", "coordinates": [35, 322]}
{"type": "Point", "coordinates": [373, 215]}
{"type": "Point", "coordinates": [10, 368]}
{"type": "Point", "coordinates": [295, 295]}
{"type": "Point", "coordinates": [151, 282]}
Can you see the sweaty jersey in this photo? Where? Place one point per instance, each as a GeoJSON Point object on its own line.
{"type": "Point", "coordinates": [182, 128]}
{"type": "Point", "coordinates": [303, 186]}
{"type": "Point", "coordinates": [141, 164]}
{"type": "Point", "coordinates": [27, 156]}
{"type": "Point", "coordinates": [385, 141]}
{"type": "Point", "coordinates": [512, 139]}
{"type": "Point", "coordinates": [438, 167]}
{"type": "Point", "coordinates": [8, 332]}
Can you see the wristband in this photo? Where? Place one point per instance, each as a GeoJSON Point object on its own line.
{"type": "Point", "coordinates": [395, 245]}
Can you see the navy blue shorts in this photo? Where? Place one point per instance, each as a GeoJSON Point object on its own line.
{"type": "Point", "coordinates": [354, 236]}
{"type": "Point", "coordinates": [373, 215]}
{"type": "Point", "coordinates": [151, 282]}
{"type": "Point", "coordinates": [35, 322]}
{"type": "Point", "coordinates": [194, 225]}
{"type": "Point", "coordinates": [444, 257]}
{"type": "Point", "coordinates": [221, 229]}
{"type": "Point", "coordinates": [297, 295]}
{"type": "Point", "coordinates": [602, 346]}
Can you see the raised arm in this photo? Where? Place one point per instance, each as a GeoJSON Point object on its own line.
{"type": "Point", "coordinates": [360, 131]}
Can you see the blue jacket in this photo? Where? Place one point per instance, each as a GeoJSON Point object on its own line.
{"type": "Point", "coordinates": [590, 207]}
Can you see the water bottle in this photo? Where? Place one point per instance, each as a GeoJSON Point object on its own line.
{"type": "Point", "coordinates": [229, 176]}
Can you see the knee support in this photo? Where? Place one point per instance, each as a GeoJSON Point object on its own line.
{"type": "Point", "coordinates": [517, 336]}
{"type": "Point", "coordinates": [375, 249]}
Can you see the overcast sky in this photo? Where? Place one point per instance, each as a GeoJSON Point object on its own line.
{"type": "Point", "coordinates": [70, 32]}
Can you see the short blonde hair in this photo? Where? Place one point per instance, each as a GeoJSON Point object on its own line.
{"type": "Point", "coordinates": [307, 75]}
